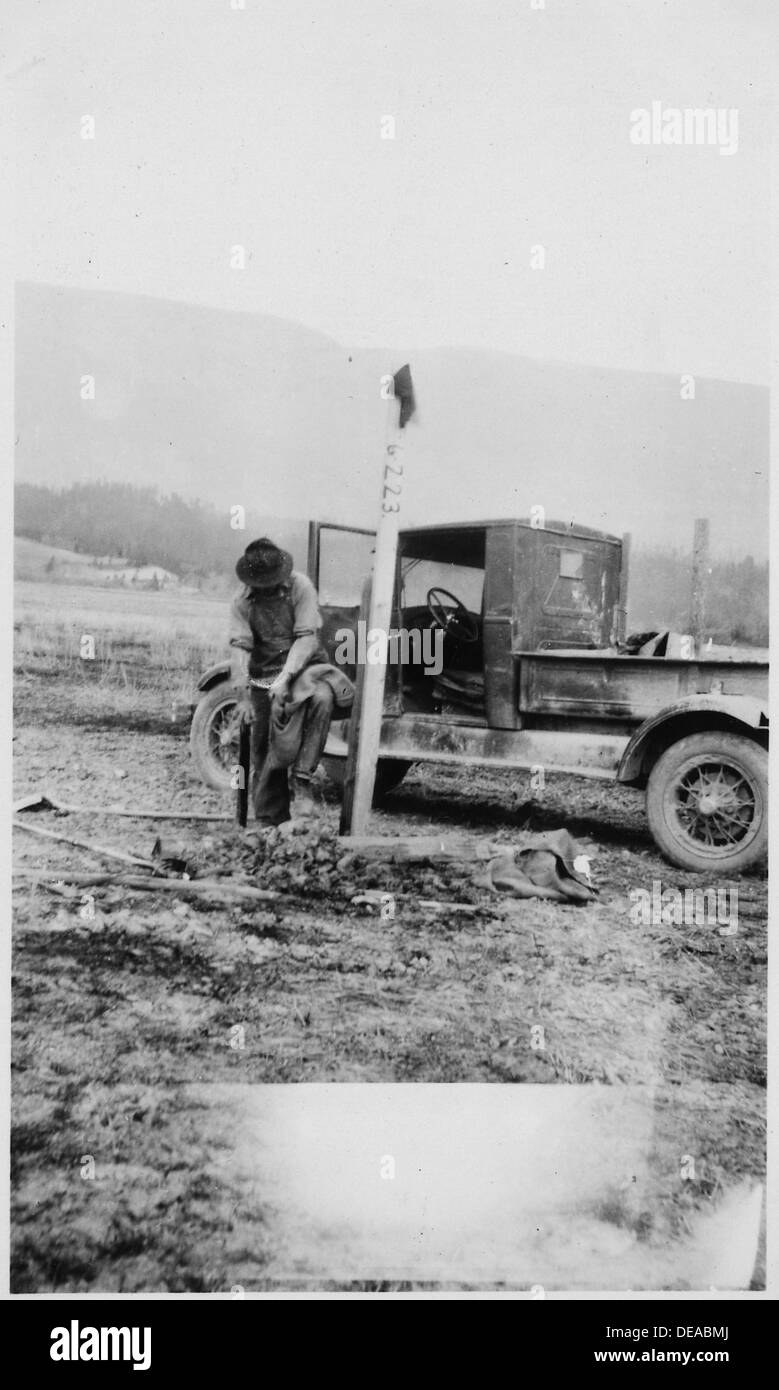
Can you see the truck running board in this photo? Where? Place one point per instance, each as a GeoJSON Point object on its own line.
{"type": "Point", "coordinates": [420, 739]}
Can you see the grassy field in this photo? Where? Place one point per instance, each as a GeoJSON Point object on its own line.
{"type": "Point", "coordinates": [119, 1017]}
{"type": "Point", "coordinates": [155, 642]}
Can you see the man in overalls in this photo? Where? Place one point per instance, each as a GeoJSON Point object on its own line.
{"type": "Point", "coordinates": [274, 628]}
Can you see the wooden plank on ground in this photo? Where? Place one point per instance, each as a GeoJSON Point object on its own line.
{"type": "Point", "coordinates": [192, 887]}
{"type": "Point", "coordinates": [102, 851]}
{"type": "Point", "coordinates": [417, 848]}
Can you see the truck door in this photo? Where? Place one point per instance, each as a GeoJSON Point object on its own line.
{"type": "Point", "coordinates": [340, 559]}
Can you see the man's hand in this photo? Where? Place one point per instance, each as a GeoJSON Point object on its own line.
{"type": "Point", "coordinates": [239, 666]}
{"type": "Point", "coordinates": [239, 676]}
{"type": "Point", "coordinates": [279, 690]}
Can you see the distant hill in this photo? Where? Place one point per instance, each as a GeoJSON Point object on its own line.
{"type": "Point", "coordinates": [248, 409]}
{"type": "Point", "coordinates": [54, 564]}
{"type": "Point", "coordinates": [147, 528]}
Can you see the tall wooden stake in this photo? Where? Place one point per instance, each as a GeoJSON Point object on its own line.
{"type": "Point", "coordinates": [347, 799]}
{"type": "Point", "coordinates": [624, 578]}
{"type": "Point", "coordinates": [365, 725]}
{"type": "Point", "coordinates": [700, 580]}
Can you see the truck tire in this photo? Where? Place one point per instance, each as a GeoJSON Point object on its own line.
{"type": "Point", "coordinates": [213, 736]}
{"type": "Point", "coordinates": [707, 802]}
{"type": "Point", "coordinates": [389, 774]}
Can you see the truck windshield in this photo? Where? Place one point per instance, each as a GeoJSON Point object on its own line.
{"type": "Point", "coordinates": [464, 581]}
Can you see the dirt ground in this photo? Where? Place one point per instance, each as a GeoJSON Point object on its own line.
{"type": "Point", "coordinates": [114, 1010]}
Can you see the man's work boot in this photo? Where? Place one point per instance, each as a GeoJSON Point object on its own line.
{"type": "Point", "coordinates": [303, 803]}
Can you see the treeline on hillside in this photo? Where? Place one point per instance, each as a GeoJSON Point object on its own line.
{"type": "Point", "coordinates": [189, 538]}
{"type": "Point", "coordinates": [736, 609]}
{"type": "Point", "coordinates": [196, 542]}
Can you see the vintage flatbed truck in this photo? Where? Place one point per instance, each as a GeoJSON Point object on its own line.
{"type": "Point", "coordinates": [536, 674]}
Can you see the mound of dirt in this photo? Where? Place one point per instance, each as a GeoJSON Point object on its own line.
{"type": "Point", "coordinates": [308, 859]}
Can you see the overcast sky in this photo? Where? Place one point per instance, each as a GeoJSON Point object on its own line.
{"type": "Point", "coordinates": [261, 127]}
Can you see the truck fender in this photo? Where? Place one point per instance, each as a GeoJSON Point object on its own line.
{"type": "Point", "coordinates": [214, 675]}
{"type": "Point", "coordinates": [691, 714]}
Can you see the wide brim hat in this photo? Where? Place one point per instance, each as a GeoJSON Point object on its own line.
{"type": "Point", "coordinates": [264, 565]}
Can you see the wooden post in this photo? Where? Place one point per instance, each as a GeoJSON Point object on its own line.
{"type": "Point", "coordinates": [244, 771]}
{"type": "Point", "coordinates": [700, 578]}
{"type": "Point", "coordinates": [312, 559]}
{"type": "Point", "coordinates": [347, 802]}
{"type": "Point", "coordinates": [365, 729]}
{"type": "Point", "coordinates": [624, 575]}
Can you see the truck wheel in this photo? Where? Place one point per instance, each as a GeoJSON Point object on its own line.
{"type": "Point", "coordinates": [389, 774]}
{"type": "Point", "coordinates": [707, 802]}
{"type": "Point", "coordinates": [213, 736]}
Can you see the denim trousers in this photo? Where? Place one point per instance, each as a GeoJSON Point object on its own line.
{"type": "Point", "coordinates": [271, 783]}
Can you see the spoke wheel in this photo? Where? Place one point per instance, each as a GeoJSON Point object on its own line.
{"type": "Point", "coordinates": [213, 738]}
{"type": "Point", "coordinates": [707, 802]}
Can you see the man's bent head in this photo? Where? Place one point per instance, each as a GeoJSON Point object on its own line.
{"type": "Point", "coordinates": [263, 565]}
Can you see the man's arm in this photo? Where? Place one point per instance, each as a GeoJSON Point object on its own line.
{"type": "Point", "coordinates": [241, 639]}
{"type": "Point", "coordinates": [299, 655]}
{"type": "Point", "coordinates": [308, 620]}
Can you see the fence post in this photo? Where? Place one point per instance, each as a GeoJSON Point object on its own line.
{"type": "Point", "coordinates": [700, 578]}
{"type": "Point", "coordinates": [624, 575]}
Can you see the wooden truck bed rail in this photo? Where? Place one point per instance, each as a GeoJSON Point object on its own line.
{"type": "Point", "coordinates": [596, 685]}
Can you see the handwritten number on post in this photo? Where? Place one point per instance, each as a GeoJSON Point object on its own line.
{"type": "Point", "coordinates": [397, 469]}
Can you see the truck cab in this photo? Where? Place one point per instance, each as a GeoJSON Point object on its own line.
{"type": "Point", "coordinates": [491, 591]}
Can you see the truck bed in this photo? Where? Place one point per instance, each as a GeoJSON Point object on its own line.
{"type": "Point", "coordinates": [602, 685]}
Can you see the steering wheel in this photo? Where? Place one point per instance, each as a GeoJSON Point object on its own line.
{"type": "Point", "coordinates": [456, 622]}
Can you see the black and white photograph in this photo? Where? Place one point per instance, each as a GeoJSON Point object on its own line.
{"type": "Point", "coordinates": [390, 654]}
